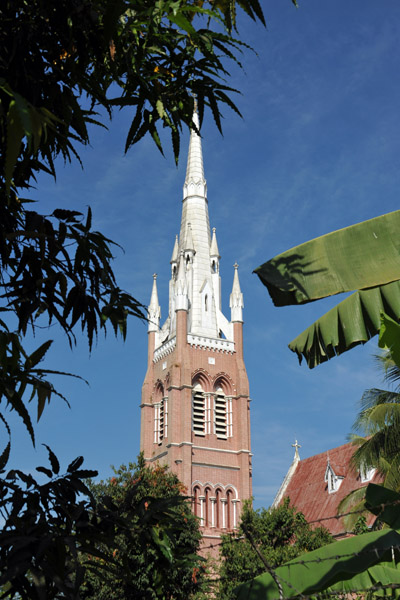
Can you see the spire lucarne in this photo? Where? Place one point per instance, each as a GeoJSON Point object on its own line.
{"type": "Point", "coordinates": [195, 397]}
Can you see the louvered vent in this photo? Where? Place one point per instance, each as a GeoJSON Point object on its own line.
{"type": "Point", "coordinates": [198, 414]}
{"type": "Point", "coordinates": [220, 417]}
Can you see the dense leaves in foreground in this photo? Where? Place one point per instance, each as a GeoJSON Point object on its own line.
{"type": "Point", "coordinates": [279, 533]}
{"type": "Point", "coordinates": [366, 565]}
{"type": "Point", "coordinates": [151, 500]}
{"type": "Point", "coordinates": [46, 528]}
{"type": "Point", "coordinates": [131, 537]}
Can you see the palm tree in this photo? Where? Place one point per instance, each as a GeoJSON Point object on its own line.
{"type": "Point", "coordinates": [379, 423]}
{"type": "Point", "coordinates": [377, 436]}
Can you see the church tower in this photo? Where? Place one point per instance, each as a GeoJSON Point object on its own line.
{"type": "Point", "coordinates": [195, 413]}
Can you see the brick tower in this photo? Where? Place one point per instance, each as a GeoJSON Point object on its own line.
{"type": "Point", "coordinates": [195, 413]}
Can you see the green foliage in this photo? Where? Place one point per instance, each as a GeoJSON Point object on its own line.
{"type": "Point", "coordinates": [357, 564]}
{"type": "Point", "coordinates": [133, 536]}
{"type": "Point", "coordinates": [389, 336]}
{"type": "Point", "coordinates": [150, 56]}
{"type": "Point", "coordinates": [363, 258]}
{"type": "Point", "coordinates": [157, 556]}
{"type": "Point", "coordinates": [46, 528]}
{"type": "Point", "coordinates": [360, 526]}
{"type": "Point", "coordinates": [376, 437]}
{"type": "Point", "coordinates": [280, 533]}
{"type": "Point", "coordinates": [377, 427]}
{"type": "Point", "coordinates": [366, 563]}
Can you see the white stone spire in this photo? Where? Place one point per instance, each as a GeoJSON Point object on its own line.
{"type": "Point", "coordinates": [236, 298]}
{"type": "Point", "coordinates": [195, 183]}
{"type": "Point", "coordinates": [195, 213]}
{"type": "Point", "coordinates": [154, 310]}
{"type": "Point", "coordinates": [195, 284]}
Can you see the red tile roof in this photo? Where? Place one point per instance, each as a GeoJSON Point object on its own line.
{"type": "Point", "coordinates": [308, 490]}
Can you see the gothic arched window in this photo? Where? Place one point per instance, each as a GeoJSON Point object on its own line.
{"type": "Point", "coordinates": [196, 501]}
{"type": "Point", "coordinates": [229, 521]}
{"type": "Point", "coordinates": [160, 415]}
{"type": "Point", "coordinates": [207, 507]}
{"type": "Point", "coordinates": [220, 414]}
{"type": "Point", "coordinates": [198, 411]}
{"type": "Point", "coordinates": [218, 508]}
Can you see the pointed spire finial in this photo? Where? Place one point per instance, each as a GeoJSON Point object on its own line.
{"type": "Point", "coordinates": [195, 183]}
{"type": "Point", "coordinates": [214, 246]}
{"type": "Point", "coordinates": [154, 310]}
{"type": "Point", "coordinates": [236, 298]}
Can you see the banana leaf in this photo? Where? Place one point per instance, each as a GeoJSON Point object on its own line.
{"type": "Point", "coordinates": [358, 257]}
{"type": "Point", "coordinates": [351, 322]}
{"type": "Point", "coordinates": [364, 258]}
{"type": "Point", "coordinates": [356, 563]}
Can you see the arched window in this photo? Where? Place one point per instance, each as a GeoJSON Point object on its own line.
{"type": "Point", "coordinates": [198, 411]}
{"type": "Point", "coordinates": [229, 522]}
{"type": "Point", "coordinates": [196, 501]}
{"type": "Point", "coordinates": [160, 415]}
{"type": "Point", "coordinates": [207, 507]}
{"type": "Point", "coordinates": [218, 508]}
{"type": "Point", "coordinates": [206, 302]}
{"type": "Point", "coordinates": [220, 414]}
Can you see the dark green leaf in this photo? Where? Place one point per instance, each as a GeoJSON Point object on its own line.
{"type": "Point", "coordinates": [55, 465]}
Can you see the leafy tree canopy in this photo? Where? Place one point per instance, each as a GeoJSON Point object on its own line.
{"type": "Point", "coordinates": [133, 536]}
{"type": "Point", "coordinates": [169, 567]}
{"type": "Point", "coordinates": [280, 534]}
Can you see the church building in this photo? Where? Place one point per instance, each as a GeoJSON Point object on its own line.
{"type": "Point", "coordinates": [317, 485]}
{"type": "Point", "coordinates": [195, 409]}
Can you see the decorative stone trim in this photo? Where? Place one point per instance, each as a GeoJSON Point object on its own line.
{"type": "Point", "coordinates": [215, 344]}
{"type": "Point", "coordinates": [164, 350]}
{"type": "Point", "coordinates": [219, 466]}
{"type": "Point", "coordinates": [223, 450]}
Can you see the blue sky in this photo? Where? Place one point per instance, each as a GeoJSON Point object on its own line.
{"type": "Point", "coordinates": [318, 149]}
